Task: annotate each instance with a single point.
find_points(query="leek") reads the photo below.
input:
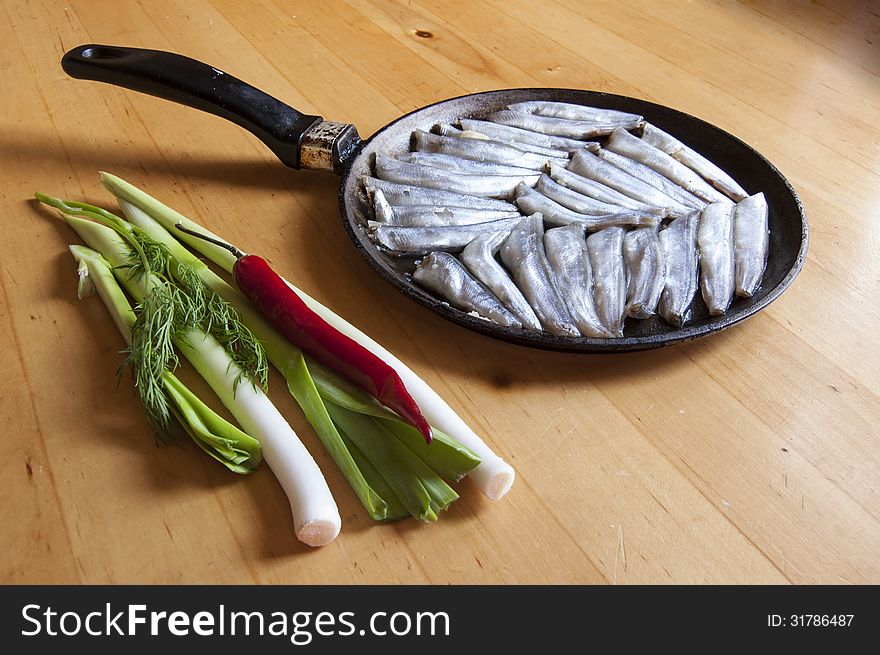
(315, 389)
(392, 471)
(493, 475)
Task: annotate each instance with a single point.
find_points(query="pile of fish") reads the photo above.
(557, 232)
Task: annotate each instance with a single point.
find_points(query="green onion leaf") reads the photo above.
(233, 448)
(300, 384)
(396, 509)
(394, 461)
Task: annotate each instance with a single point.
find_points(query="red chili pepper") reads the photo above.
(288, 314)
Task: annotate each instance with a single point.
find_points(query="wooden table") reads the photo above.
(748, 457)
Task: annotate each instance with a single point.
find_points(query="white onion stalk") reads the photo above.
(493, 476)
(315, 515)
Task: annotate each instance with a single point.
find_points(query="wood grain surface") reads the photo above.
(751, 456)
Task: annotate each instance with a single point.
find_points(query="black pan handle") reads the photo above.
(192, 83)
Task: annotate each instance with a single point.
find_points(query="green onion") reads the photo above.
(444, 454)
(395, 509)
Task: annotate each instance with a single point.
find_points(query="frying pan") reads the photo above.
(303, 141)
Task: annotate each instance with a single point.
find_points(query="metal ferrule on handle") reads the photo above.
(327, 146)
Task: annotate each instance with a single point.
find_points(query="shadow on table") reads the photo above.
(267, 173)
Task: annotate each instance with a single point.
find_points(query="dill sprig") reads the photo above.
(222, 321)
(152, 353)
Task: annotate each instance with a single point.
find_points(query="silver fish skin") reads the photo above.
(404, 241)
(595, 168)
(427, 216)
(582, 204)
(382, 208)
(443, 274)
(715, 245)
(445, 129)
(751, 242)
(624, 143)
(570, 261)
(445, 216)
(594, 189)
(574, 112)
(558, 126)
(551, 153)
(646, 271)
(523, 254)
(466, 166)
(694, 160)
(493, 186)
(516, 135)
(652, 177)
(479, 258)
(480, 150)
(609, 277)
(679, 243)
(404, 194)
(530, 202)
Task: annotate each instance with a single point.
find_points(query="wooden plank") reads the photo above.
(762, 75)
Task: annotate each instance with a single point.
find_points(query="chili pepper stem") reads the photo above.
(238, 254)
